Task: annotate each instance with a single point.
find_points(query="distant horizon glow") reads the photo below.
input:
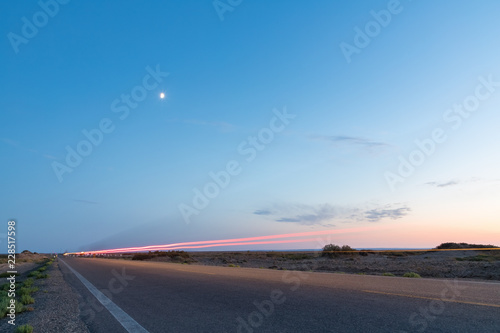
(231, 242)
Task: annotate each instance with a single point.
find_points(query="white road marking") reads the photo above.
(123, 318)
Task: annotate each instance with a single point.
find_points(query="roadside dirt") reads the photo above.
(55, 308)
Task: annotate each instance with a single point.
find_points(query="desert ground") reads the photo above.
(466, 264)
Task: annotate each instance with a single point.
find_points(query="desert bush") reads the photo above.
(411, 275)
(173, 254)
(5, 274)
(27, 299)
(388, 274)
(27, 290)
(332, 250)
(142, 256)
(24, 329)
(346, 248)
(28, 282)
(4, 303)
(34, 274)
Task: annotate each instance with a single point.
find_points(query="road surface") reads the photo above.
(166, 297)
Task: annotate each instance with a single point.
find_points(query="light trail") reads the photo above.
(231, 242)
(242, 243)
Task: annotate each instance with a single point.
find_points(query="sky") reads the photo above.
(375, 118)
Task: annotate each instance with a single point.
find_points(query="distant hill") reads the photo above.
(450, 245)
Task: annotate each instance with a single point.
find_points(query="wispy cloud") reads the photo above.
(326, 214)
(10, 142)
(312, 215)
(445, 184)
(18, 145)
(50, 157)
(375, 215)
(262, 212)
(351, 140)
(478, 181)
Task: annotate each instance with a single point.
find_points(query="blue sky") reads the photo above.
(334, 163)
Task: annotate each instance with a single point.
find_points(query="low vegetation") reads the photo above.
(332, 250)
(24, 294)
(174, 255)
(448, 246)
(411, 275)
(24, 329)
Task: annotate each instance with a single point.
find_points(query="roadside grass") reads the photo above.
(4, 302)
(28, 282)
(411, 275)
(33, 274)
(2, 275)
(24, 292)
(24, 329)
(27, 290)
(27, 299)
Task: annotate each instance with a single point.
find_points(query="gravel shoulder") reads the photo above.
(55, 308)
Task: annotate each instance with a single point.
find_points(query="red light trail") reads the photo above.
(271, 239)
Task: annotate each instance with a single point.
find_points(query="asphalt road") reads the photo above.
(164, 297)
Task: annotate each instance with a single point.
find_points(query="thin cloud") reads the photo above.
(262, 212)
(50, 157)
(318, 216)
(352, 140)
(326, 214)
(10, 142)
(446, 184)
(472, 180)
(375, 215)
